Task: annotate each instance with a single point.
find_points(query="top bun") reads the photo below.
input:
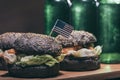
(7, 39)
(77, 38)
(30, 43)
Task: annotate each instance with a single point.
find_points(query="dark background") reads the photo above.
(21, 16)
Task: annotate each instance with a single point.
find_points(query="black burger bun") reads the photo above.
(37, 44)
(80, 64)
(31, 44)
(82, 39)
(41, 71)
(76, 38)
(7, 40)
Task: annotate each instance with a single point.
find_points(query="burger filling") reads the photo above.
(82, 51)
(35, 60)
(25, 60)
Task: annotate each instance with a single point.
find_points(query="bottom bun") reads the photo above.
(33, 71)
(80, 64)
(3, 65)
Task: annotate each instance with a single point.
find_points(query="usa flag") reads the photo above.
(62, 28)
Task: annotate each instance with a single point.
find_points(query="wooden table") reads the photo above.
(106, 71)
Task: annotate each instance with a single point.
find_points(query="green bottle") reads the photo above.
(109, 27)
(53, 10)
(83, 15)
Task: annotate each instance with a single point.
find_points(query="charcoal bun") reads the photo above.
(76, 38)
(65, 42)
(71, 63)
(7, 39)
(83, 39)
(41, 71)
(30, 43)
(38, 44)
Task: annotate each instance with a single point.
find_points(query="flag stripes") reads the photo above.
(62, 28)
(61, 32)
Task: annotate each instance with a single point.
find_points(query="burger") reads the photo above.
(79, 51)
(30, 54)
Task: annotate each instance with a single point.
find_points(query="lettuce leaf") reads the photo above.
(37, 60)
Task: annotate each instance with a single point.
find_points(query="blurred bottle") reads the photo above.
(83, 15)
(53, 10)
(109, 25)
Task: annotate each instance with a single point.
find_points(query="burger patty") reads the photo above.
(30, 43)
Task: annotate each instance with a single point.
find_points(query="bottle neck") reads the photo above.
(69, 3)
(58, 2)
(84, 0)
